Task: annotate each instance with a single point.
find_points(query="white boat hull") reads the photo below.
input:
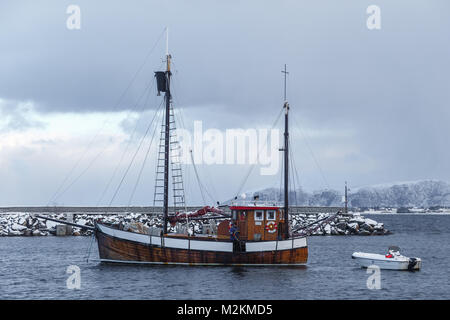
(366, 260)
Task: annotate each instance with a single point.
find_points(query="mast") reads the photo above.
(286, 158)
(167, 136)
(169, 148)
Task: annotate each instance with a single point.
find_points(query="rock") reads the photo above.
(357, 219)
(364, 233)
(354, 226)
(81, 221)
(341, 225)
(367, 227)
(41, 225)
(29, 222)
(327, 229)
(36, 233)
(379, 226)
(14, 233)
(18, 227)
(50, 224)
(61, 230)
(370, 222)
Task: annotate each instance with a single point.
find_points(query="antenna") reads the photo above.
(285, 75)
(167, 41)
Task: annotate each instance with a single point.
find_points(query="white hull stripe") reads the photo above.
(221, 246)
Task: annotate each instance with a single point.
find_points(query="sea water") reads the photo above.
(42, 268)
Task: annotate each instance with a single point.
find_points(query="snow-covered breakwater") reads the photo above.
(26, 224)
(342, 224)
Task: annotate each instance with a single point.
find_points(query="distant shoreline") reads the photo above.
(405, 214)
(140, 209)
(158, 210)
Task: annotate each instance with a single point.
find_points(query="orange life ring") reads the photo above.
(271, 226)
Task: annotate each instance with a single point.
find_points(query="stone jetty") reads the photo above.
(342, 224)
(26, 224)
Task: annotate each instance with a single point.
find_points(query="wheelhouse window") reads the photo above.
(271, 215)
(234, 215)
(259, 215)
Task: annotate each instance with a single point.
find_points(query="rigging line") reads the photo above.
(198, 180)
(143, 163)
(180, 110)
(297, 176)
(253, 165)
(54, 196)
(311, 151)
(88, 252)
(128, 143)
(273, 187)
(93, 160)
(116, 106)
(179, 117)
(201, 185)
(293, 173)
(211, 184)
(291, 182)
(209, 194)
(131, 162)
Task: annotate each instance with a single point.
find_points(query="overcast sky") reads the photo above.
(368, 106)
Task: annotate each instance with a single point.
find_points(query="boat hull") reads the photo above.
(117, 246)
(366, 260)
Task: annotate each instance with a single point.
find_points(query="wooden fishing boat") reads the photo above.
(252, 235)
(259, 243)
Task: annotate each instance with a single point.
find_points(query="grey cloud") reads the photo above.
(16, 117)
(390, 87)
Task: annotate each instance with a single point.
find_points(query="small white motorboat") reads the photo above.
(391, 261)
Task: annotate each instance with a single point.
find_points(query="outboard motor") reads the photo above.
(412, 263)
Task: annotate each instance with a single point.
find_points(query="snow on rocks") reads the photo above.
(25, 224)
(370, 222)
(342, 224)
(18, 227)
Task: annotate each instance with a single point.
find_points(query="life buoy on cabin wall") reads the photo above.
(271, 226)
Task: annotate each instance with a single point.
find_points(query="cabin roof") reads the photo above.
(253, 208)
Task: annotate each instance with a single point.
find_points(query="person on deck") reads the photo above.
(234, 233)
